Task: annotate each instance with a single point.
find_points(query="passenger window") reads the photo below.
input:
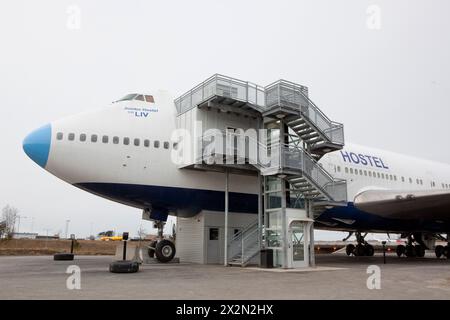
(137, 142)
(338, 167)
(382, 176)
(378, 175)
(105, 139)
(365, 173)
(126, 141)
(146, 143)
(360, 172)
(59, 136)
(116, 140)
(390, 177)
(410, 180)
(370, 173)
(346, 170)
(94, 138)
(139, 97)
(149, 99)
(421, 182)
(175, 145)
(403, 179)
(395, 178)
(156, 144)
(417, 181)
(82, 137)
(166, 145)
(71, 136)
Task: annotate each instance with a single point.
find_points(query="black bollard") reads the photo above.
(384, 252)
(125, 238)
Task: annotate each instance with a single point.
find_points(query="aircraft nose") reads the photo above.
(37, 145)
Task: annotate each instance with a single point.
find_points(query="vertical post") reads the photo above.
(124, 250)
(312, 254)
(284, 223)
(259, 210)
(226, 219)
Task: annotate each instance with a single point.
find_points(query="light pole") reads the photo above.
(18, 222)
(67, 227)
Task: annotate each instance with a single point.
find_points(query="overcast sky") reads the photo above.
(386, 76)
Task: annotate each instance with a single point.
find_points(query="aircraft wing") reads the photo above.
(398, 204)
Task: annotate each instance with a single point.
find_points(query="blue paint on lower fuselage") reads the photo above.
(188, 202)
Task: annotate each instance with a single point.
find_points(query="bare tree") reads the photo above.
(9, 217)
(142, 233)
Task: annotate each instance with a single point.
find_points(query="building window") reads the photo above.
(156, 144)
(116, 140)
(126, 141)
(137, 142)
(82, 137)
(146, 143)
(94, 138)
(166, 145)
(214, 234)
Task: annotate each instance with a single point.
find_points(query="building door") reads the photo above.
(213, 252)
(298, 247)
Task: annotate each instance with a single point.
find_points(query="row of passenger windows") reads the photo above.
(115, 140)
(386, 176)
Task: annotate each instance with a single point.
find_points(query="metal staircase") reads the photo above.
(290, 102)
(244, 245)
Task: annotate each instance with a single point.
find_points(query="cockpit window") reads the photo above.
(130, 96)
(136, 96)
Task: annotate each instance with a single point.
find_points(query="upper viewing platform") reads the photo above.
(280, 100)
(223, 90)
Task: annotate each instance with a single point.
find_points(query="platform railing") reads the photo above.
(291, 95)
(269, 159)
(223, 86)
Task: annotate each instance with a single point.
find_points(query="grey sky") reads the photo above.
(390, 87)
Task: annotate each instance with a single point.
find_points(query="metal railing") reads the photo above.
(268, 159)
(245, 244)
(223, 86)
(291, 95)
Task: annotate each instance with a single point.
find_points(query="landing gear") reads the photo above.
(163, 249)
(415, 247)
(361, 249)
(439, 251)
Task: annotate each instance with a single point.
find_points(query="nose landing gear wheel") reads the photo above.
(165, 250)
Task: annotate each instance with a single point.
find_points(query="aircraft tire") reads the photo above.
(420, 251)
(439, 251)
(124, 266)
(447, 251)
(63, 256)
(359, 250)
(369, 250)
(400, 250)
(349, 249)
(165, 250)
(410, 251)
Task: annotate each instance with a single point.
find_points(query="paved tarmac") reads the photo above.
(338, 277)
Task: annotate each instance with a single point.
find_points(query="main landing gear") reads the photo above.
(440, 250)
(163, 249)
(413, 248)
(361, 249)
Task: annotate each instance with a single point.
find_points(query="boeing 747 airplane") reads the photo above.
(123, 153)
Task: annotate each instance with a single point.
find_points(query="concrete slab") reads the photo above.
(340, 277)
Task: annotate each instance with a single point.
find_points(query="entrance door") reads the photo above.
(298, 248)
(213, 253)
